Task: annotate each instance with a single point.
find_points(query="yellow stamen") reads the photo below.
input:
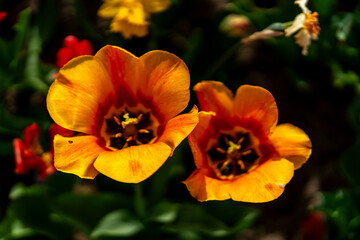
(116, 119)
(241, 140)
(143, 131)
(220, 150)
(247, 152)
(241, 164)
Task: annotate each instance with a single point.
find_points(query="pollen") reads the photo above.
(311, 24)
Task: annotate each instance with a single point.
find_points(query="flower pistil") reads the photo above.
(234, 154)
(129, 128)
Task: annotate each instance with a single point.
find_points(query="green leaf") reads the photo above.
(87, 209)
(20, 190)
(13, 228)
(247, 221)
(194, 218)
(343, 26)
(119, 223)
(343, 79)
(32, 206)
(164, 212)
(32, 72)
(22, 30)
(342, 213)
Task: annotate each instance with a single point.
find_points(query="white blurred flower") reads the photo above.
(307, 26)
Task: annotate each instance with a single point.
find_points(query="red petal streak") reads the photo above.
(31, 135)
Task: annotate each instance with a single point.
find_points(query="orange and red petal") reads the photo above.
(123, 72)
(133, 164)
(291, 143)
(179, 127)
(256, 103)
(31, 136)
(76, 155)
(198, 138)
(214, 96)
(263, 184)
(204, 188)
(164, 83)
(57, 129)
(77, 93)
(19, 148)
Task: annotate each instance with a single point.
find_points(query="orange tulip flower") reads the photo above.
(239, 151)
(125, 109)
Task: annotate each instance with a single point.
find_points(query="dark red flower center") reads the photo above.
(129, 129)
(234, 154)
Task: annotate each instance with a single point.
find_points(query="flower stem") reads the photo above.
(139, 200)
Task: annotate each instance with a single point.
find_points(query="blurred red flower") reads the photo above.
(29, 154)
(72, 48)
(2, 15)
(314, 226)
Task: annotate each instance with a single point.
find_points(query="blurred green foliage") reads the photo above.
(65, 207)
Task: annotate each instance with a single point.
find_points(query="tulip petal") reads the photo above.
(197, 137)
(263, 184)
(74, 98)
(291, 143)
(204, 188)
(179, 127)
(214, 96)
(76, 155)
(256, 103)
(165, 83)
(133, 164)
(123, 71)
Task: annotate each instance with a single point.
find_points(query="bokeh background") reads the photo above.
(318, 93)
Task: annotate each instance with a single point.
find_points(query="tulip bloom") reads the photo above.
(130, 17)
(72, 48)
(29, 154)
(124, 108)
(239, 151)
